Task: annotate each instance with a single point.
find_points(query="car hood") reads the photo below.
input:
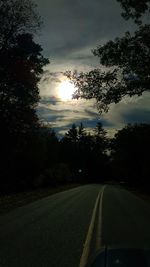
(121, 257)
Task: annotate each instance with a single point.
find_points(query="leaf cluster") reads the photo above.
(124, 64)
(17, 17)
(134, 9)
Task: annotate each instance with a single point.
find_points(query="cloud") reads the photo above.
(70, 26)
(71, 30)
(137, 116)
(48, 84)
(139, 111)
(61, 115)
(130, 110)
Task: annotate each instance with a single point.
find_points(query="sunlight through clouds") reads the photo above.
(66, 90)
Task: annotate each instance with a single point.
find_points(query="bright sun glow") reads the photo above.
(66, 90)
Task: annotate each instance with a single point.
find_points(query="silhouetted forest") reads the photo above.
(44, 160)
(32, 155)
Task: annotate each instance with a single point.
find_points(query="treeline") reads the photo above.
(41, 159)
(129, 156)
(45, 160)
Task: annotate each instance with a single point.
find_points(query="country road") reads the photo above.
(64, 229)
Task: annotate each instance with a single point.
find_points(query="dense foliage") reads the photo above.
(134, 9)
(130, 154)
(125, 63)
(17, 17)
(86, 153)
(21, 64)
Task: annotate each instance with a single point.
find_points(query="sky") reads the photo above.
(71, 30)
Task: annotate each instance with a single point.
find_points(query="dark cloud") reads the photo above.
(137, 116)
(92, 113)
(49, 100)
(107, 123)
(48, 112)
(49, 76)
(72, 25)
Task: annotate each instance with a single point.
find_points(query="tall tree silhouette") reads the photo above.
(72, 134)
(20, 71)
(81, 130)
(100, 136)
(86, 153)
(69, 144)
(21, 64)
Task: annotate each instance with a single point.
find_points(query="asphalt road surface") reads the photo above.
(64, 229)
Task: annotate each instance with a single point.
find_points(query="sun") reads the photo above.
(66, 90)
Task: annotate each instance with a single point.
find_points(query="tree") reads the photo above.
(86, 153)
(100, 141)
(130, 154)
(20, 71)
(99, 131)
(17, 17)
(21, 65)
(134, 9)
(72, 134)
(51, 142)
(127, 64)
(69, 145)
(81, 131)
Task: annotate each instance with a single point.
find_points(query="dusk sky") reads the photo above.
(71, 30)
